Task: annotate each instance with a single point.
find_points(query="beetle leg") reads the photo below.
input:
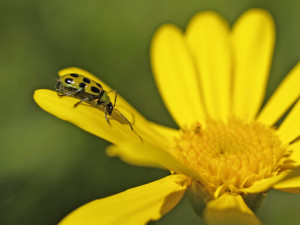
(105, 114)
(87, 99)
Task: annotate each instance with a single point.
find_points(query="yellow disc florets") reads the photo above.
(231, 156)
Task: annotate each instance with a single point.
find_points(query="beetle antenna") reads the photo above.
(129, 124)
(124, 118)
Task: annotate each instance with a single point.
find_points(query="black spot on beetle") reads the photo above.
(82, 85)
(95, 89)
(86, 80)
(69, 80)
(74, 75)
(99, 85)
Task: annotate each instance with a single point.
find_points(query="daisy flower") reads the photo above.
(227, 153)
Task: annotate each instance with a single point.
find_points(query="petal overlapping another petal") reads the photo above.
(291, 185)
(266, 184)
(176, 75)
(135, 206)
(152, 156)
(229, 209)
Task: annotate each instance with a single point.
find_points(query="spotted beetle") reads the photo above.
(87, 90)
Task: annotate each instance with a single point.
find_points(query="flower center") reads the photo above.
(231, 156)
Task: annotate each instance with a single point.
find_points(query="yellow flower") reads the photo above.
(228, 152)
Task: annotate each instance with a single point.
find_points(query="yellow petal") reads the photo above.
(150, 155)
(135, 206)
(268, 183)
(290, 185)
(166, 134)
(208, 38)
(92, 120)
(295, 155)
(84, 116)
(253, 38)
(163, 130)
(285, 95)
(175, 75)
(290, 127)
(229, 209)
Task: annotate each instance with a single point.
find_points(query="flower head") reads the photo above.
(228, 152)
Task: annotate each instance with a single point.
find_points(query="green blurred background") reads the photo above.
(49, 167)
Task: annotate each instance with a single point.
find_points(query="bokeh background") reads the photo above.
(49, 167)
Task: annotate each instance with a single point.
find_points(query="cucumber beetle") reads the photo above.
(89, 91)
